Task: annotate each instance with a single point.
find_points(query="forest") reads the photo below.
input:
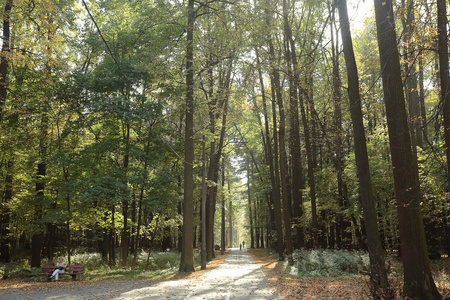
(179, 125)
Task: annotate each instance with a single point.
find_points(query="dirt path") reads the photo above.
(237, 278)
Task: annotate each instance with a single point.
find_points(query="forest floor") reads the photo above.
(290, 286)
(248, 275)
(231, 276)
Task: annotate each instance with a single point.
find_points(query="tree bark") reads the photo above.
(274, 77)
(230, 224)
(112, 238)
(444, 76)
(5, 215)
(125, 229)
(270, 162)
(257, 228)
(222, 233)
(4, 63)
(37, 238)
(445, 85)
(203, 215)
(423, 114)
(187, 253)
(213, 173)
(412, 96)
(310, 162)
(342, 223)
(418, 280)
(294, 128)
(378, 276)
(139, 223)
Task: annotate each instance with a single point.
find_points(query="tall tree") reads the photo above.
(5, 212)
(444, 76)
(378, 276)
(216, 153)
(342, 224)
(250, 215)
(283, 163)
(222, 229)
(310, 160)
(418, 280)
(294, 128)
(274, 197)
(445, 87)
(203, 218)
(187, 253)
(275, 93)
(412, 95)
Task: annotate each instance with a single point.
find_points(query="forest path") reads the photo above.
(237, 278)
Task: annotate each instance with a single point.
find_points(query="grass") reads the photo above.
(157, 265)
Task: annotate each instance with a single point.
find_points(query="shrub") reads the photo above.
(329, 263)
(89, 260)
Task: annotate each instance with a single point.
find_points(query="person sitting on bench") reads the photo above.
(60, 268)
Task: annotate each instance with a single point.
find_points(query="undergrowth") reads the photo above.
(155, 265)
(329, 263)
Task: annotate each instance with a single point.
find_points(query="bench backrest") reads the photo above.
(76, 268)
(48, 268)
(73, 268)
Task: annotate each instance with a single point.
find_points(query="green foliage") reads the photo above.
(90, 261)
(161, 260)
(329, 263)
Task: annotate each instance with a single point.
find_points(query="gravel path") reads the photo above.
(237, 278)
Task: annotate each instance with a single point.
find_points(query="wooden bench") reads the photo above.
(72, 270)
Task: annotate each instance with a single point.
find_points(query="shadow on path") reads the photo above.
(237, 278)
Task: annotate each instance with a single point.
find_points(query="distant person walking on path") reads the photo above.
(243, 244)
(60, 268)
(240, 246)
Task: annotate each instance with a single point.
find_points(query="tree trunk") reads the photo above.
(257, 228)
(418, 280)
(187, 253)
(310, 162)
(250, 215)
(5, 215)
(213, 173)
(423, 114)
(274, 77)
(139, 223)
(133, 222)
(445, 83)
(37, 238)
(112, 238)
(125, 230)
(124, 235)
(4, 63)
(412, 96)
(295, 153)
(222, 232)
(378, 276)
(283, 163)
(274, 200)
(203, 206)
(230, 224)
(444, 76)
(283, 168)
(342, 241)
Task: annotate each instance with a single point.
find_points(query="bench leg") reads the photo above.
(49, 278)
(74, 277)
